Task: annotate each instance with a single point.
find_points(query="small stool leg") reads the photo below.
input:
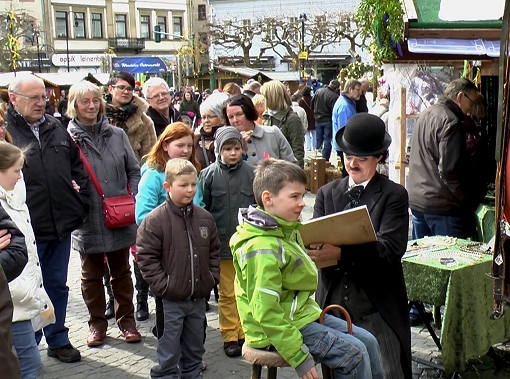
(256, 371)
(272, 372)
(327, 373)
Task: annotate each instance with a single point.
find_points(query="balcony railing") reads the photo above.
(119, 43)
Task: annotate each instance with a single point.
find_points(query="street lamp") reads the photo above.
(35, 34)
(67, 35)
(303, 56)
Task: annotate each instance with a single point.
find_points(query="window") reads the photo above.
(162, 26)
(145, 27)
(247, 24)
(97, 25)
(202, 14)
(271, 29)
(120, 26)
(29, 33)
(177, 30)
(79, 24)
(293, 28)
(60, 18)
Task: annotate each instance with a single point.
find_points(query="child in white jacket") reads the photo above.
(32, 307)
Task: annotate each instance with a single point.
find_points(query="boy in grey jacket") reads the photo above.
(227, 185)
(178, 254)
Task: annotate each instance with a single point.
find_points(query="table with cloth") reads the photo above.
(452, 272)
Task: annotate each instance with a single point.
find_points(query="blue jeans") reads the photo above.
(26, 348)
(54, 259)
(310, 140)
(355, 356)
(324, 131)
(426, 224)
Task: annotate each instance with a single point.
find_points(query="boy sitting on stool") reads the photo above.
(275, 281)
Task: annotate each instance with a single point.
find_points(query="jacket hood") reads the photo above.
(253, 221)
(281, 115)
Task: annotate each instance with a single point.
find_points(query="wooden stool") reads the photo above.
(258, 358)
(272, 360)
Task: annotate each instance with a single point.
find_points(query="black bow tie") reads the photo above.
(354, 195)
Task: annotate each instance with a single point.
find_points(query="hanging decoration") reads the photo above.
(384, 28)
(12, 41)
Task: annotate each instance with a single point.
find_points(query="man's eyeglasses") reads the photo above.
(123, 88)
(158, 95)
(33, 99)
(466, 95)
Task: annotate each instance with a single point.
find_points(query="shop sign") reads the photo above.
(139, 64)
(77, 60)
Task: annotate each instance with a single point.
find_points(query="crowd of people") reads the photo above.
(216, 193)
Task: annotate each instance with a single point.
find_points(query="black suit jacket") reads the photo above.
(376, 267)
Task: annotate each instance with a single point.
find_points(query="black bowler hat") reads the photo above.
(363, 135)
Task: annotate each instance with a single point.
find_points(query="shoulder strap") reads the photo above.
(92, 176)
(206, 157)
(89, 170)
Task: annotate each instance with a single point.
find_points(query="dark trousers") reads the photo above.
(425, 224)
(324, 131)
(54, 260)
(92, 271)
(181, 348)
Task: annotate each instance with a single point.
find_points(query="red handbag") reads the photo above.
(118, 211)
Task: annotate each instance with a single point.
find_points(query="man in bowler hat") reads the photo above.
(368, 279)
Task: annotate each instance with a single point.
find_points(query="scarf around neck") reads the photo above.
(118, 116)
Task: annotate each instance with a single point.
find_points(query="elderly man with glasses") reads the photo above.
(161, 110)
(438, 181)
(57, 197)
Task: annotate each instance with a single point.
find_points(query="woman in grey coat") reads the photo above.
(114, 163)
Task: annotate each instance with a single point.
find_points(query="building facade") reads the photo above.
(268, 15)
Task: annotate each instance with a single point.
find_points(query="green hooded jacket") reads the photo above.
(291, 127)
(275, 280)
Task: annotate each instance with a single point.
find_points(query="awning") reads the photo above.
(69, 78)
(8, 77)
(454, 46)
(241, 71)
(139, 65)
(290, 76)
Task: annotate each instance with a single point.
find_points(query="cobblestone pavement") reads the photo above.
(117, 359)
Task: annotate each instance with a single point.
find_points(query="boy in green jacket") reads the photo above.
(275, 282)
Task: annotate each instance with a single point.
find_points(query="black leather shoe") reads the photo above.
(66, 354)
(142, 311)
(232, 349)
(110, 310)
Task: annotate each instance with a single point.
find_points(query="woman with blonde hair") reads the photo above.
(33, 309)
(279, 113)
(113, 162)
(176, 141)
(259, 102)
(232, 89)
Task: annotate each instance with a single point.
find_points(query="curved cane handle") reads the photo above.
(341, 309)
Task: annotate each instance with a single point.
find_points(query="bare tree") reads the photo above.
(277, 32)
(235, 34)
(16, 38)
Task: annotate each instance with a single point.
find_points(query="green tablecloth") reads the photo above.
(467, 293)
(486, 221)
